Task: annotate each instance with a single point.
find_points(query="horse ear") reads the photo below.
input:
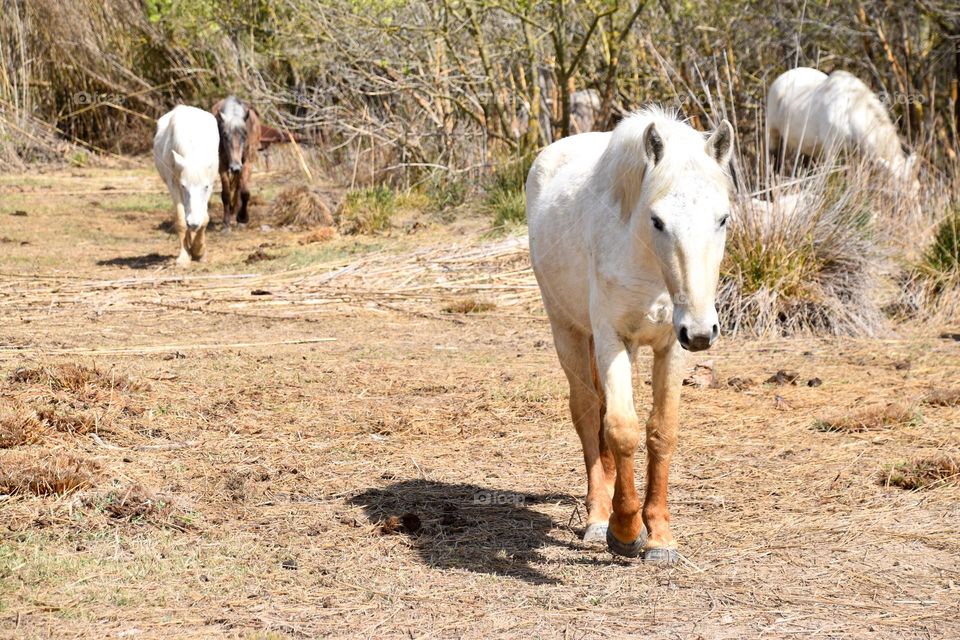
(652, 144)
(720, 144)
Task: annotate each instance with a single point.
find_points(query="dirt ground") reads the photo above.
(309, 445)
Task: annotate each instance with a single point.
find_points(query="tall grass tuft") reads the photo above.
(807, 261)
(368, 210)
(505, 195)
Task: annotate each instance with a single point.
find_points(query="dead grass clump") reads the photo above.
(469, 305)
(77, 378)
(69, 419)
(52, 475)
(323, 234)
(943, 397)
(138, 504)
(301, 207)
(870, 418)
(923, 473)
(19, 426)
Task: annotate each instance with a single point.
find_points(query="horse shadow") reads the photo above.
(136, 262)
(465, 526)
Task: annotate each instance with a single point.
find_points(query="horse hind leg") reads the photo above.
(575, 352)
(606, 454)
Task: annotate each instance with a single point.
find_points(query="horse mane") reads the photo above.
(625, 159)
(882, 130)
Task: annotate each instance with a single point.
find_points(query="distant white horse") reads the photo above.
(809, 111)
(627, 231)
(186, 152)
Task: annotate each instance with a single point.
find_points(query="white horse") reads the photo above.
(627, 231)
(816, 113)
(186, 152)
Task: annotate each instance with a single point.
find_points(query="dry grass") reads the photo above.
(19, 426)
(137, 504)
(807, 262)
(289, 456)
(923, 473)
(469, 305)
(77, 378)
(65, 417)
(871, 418)
(45, 475)
(943, 397)
(300, 207)
(323, 234)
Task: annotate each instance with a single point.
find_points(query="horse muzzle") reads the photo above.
(235, 167)
(698, 339)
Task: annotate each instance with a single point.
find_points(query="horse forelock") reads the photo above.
(233, 113)
(684, 156)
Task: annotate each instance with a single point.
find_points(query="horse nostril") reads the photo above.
(715, 332)
(683, 336)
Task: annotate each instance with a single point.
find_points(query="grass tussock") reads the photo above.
(69, 398)
(56, 474)
(469, 305)
(137, 504)
(931, 288)
(367, 211)
(19, 426)
(66, 417)
(805, 262)
(943, 397)
(870, 418)
(300, 207)
(77, 378)
(506, 197)
(923, 473)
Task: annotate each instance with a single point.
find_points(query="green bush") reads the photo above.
(943, 256)
(505, 195)
(368, 210)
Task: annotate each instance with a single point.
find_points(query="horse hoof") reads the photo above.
(661, 556)
(596, 533)
(627, 549)
(225, 229)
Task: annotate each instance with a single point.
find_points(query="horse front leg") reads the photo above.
(244, 189)
(626, 535)
(227, 201)
(198, 248)
(183, 236)
(661, 442)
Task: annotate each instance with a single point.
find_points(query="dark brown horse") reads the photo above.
(239, 140)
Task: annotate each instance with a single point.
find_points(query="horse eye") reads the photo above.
(723, 220)
(657, 223)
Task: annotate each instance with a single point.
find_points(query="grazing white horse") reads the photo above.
(816, 113)
(186, 152)
(627, 231)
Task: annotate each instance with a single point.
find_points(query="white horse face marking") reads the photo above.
(195, 189)
(689, 233)
(689, 224)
